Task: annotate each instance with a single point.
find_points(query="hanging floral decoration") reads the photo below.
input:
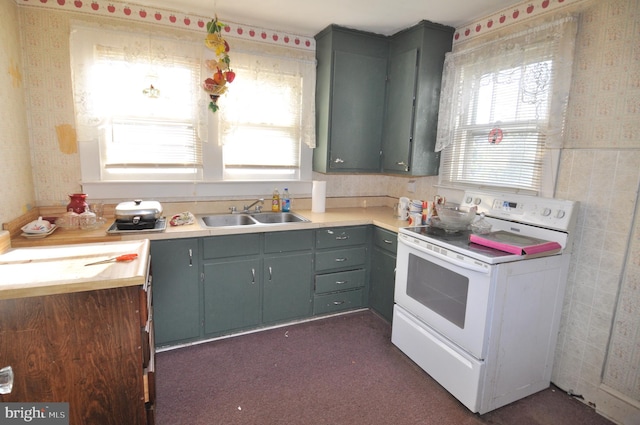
(216, 85)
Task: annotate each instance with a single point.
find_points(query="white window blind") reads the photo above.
(502, 108)
(262, 116)
(141, 97)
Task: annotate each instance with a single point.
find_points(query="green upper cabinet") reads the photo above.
(401, 96)
(416, 58)
(350, 100)
(377, 100)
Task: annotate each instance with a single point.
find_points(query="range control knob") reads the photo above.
(477, 201)
(546, 212)
(560, 214)
(468, 200)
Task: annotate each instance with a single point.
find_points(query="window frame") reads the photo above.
(210, 184)
(458, 129)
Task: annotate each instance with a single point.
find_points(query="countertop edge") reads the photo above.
(378, 216)
(115, 275)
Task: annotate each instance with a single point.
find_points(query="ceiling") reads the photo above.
(308, 17)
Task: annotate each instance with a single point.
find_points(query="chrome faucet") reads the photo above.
(258, 208)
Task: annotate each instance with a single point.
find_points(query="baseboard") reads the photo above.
(260, 329)
(617, 407)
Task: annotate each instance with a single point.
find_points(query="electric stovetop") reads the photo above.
(459, 242)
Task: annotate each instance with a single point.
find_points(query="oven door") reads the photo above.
(450, 295)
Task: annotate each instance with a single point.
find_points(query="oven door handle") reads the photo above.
(463, 264)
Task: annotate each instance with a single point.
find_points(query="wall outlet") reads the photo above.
(411, 186)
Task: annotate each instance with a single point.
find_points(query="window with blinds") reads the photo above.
(139, 97)
(504, 111)
(261, 119)
(151, 127)
(141, 112)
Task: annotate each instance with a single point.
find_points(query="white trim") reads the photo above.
(169, 191)
(617, 407)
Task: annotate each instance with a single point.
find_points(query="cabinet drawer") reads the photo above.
(297, 240)
(230, 246)
(329, 303)
(340, 281)
(341, 258)
(341, 236)
(385, 239)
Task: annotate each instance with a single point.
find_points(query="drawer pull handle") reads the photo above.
(270, 273)
(403, 164)
(342, 238)
(190, 257)
(339, 161)
(387, 241)
(341, 260)
(253, 276)
(338, 302)
(341, 282)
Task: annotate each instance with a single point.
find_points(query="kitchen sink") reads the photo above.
(278, 217)
(244, 219)
(225, 220)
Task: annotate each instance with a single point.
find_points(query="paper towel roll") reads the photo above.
(318, 196)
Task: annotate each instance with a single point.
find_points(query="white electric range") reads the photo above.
(481, 321)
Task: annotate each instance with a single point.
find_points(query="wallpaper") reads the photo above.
(599, 345)
(16, 195)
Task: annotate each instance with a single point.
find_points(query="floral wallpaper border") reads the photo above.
(130, 11)
(508, 16)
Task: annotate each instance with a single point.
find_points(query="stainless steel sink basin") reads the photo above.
(244, 219)
(225, 220)
(278, 217)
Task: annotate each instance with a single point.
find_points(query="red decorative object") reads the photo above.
(78, 203)
(495, 136)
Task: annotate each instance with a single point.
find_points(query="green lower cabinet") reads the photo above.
(287, 290)
(383, 276)
(341, 269)
(231, 296)
(219, 285)
(176, 290)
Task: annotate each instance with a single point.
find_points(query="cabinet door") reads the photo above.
(287, 287)
(231, 295)
(82, 348)
(176, 283)
(383, 265)
(401, 97)
(357, 111)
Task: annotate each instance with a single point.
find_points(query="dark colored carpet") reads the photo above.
(339, 370)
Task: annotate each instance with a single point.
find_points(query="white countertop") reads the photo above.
(56, 264)
(48, 270)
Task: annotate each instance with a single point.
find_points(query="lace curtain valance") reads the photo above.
(544, 88)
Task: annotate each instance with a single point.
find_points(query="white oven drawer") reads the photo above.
(459, 373)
